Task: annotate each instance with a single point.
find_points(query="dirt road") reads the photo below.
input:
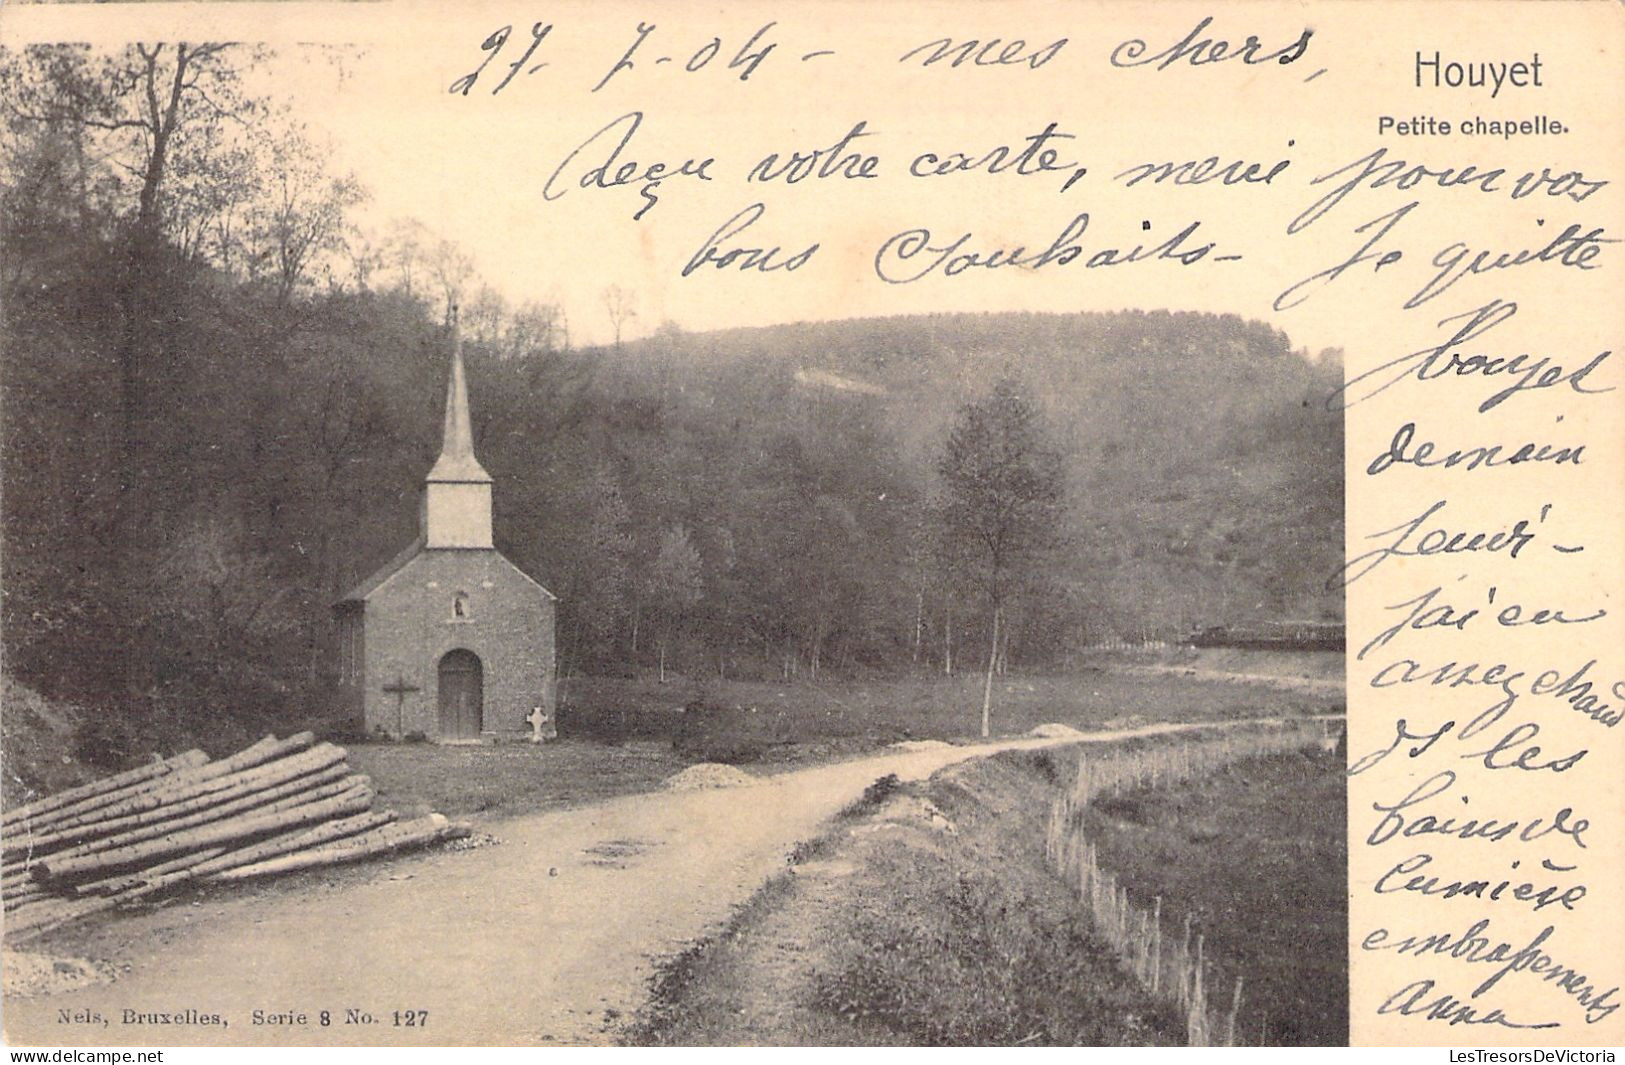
(542, 939)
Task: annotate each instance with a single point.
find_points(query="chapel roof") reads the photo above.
(383, 573)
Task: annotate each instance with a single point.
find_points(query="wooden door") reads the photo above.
(462, 696)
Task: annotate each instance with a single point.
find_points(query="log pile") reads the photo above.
(273, 807)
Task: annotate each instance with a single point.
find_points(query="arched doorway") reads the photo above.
(462, 696)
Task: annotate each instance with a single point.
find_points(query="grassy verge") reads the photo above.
(925, 916)
(1256, 855)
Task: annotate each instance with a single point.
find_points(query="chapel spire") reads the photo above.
(457, 492)
(457, 461)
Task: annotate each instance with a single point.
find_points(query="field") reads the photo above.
(625, 736)
(926, 706)
(1256, 854)
(620, 736)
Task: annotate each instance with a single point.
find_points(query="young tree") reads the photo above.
(1002, 500)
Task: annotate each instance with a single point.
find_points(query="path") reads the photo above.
(1285, 682)
(539, 940)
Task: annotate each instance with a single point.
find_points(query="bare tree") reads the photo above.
(485, 315)
(622, 307)
(536, 328)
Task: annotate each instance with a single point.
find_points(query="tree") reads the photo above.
(674, 585)
(453, 268)
(404, 252)
(484, 316)
(303, 216)
(157, 109)
(534, 328)
(596, 559)
(621, 305)
(826, 589)
(1002, 502)
(152, 123)
(216, 590)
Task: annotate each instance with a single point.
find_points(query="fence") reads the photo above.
(1172, 968)
(1131, 643)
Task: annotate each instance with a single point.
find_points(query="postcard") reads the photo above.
(791, 523)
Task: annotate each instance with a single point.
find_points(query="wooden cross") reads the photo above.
(537, 719)
(400, 689)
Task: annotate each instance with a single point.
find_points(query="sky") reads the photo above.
(476, 168)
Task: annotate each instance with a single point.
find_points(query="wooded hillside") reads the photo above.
(221, 395)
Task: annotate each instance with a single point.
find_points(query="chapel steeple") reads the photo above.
(449, 640)
(457, 492)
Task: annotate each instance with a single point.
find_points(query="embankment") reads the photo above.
(934, 914)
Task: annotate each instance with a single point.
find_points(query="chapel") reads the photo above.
(450, 641)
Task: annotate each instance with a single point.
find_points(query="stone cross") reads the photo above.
(537, 719)
(400, 690)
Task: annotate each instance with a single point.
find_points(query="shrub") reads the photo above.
(875, 794)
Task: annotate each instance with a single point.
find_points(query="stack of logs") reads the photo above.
(276, 806)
